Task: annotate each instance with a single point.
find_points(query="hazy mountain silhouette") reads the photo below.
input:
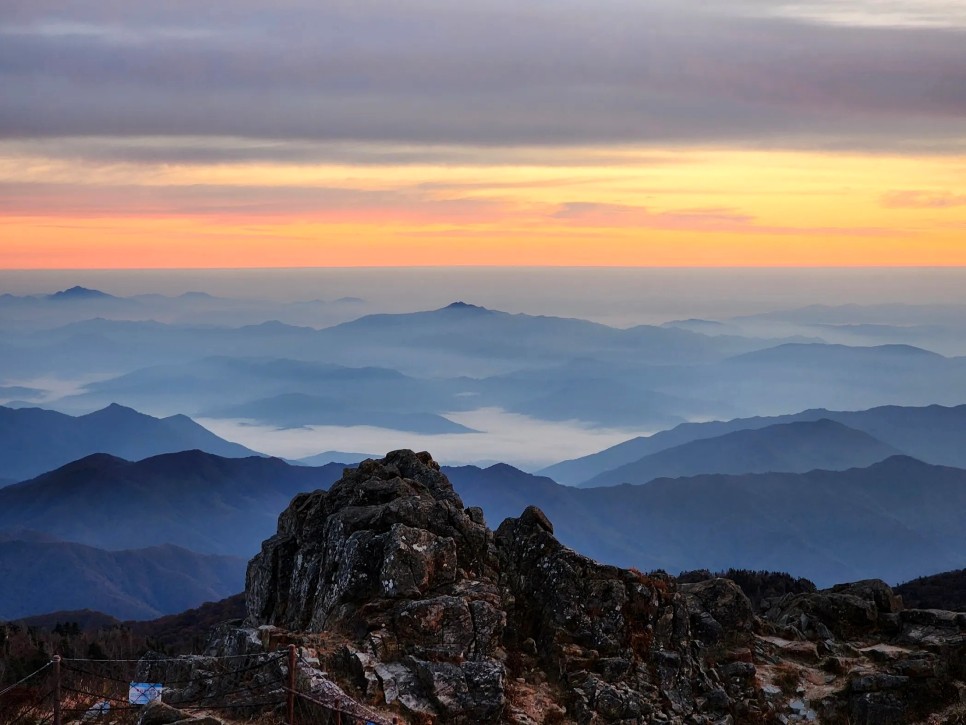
(946, 590)
(33, 440)
(200, 501)
(232, 385)
(131, 584)
(896, 519)
(292, 410)
(475, 331)
(932, 433)
(79, 293)
(796, 376)
(792, 447)
(321, 459)
(194, 308)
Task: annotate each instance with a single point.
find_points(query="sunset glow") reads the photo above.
(683, 147)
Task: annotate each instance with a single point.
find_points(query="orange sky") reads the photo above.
(486, 132)
(633, 207)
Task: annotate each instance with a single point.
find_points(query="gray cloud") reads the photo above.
(256, 201)
(494, 73)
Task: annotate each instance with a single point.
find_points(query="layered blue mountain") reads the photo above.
(277, 391)
(473, 339)
(203, 502)
(463, 357)
(293, 410)
(346, 457)
(129, 584)
(792, 447)
(931, 433)
(82, 303)
(78, 293)
(894, 520)
(480, 332)
(33, 440)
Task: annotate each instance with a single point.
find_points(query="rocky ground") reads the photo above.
(405, 604)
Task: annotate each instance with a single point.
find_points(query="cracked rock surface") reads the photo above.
(439, 619)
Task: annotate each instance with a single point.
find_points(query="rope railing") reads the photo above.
(85, 689)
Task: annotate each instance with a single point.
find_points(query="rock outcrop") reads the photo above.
(413, 605)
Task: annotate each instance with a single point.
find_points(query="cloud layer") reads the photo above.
(493, 73)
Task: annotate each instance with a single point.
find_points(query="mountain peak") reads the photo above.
(461, 306)
(115, 411)
(79, 293)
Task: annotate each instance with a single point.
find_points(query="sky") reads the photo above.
(298, 133)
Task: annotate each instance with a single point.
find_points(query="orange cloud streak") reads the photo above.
(712, 208)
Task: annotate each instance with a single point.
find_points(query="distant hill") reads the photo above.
(939, 591)
(89, 633)
(280, 390)
(896, 519)
(33, 440)
(806, 355)
(893, 520)
(183, 631)
(468, 329)
(21, 534)
(932, 433)
(321, 459)
(201, 501)
(85, 619)
(294, 410)
(79, 293)
(793, 447)
(130, 584)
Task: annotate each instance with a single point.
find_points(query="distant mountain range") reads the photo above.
(33, 441)
(131, 584)
(200, 501)
(80, 303)
(280, 391)
(457, 358)
(293, 410)
(792, 447)
(321, 459)
(895, 520)
(946, 590)
(932, 433)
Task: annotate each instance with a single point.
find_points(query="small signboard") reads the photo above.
(142, 693)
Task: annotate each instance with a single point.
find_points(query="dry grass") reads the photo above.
(788, 677)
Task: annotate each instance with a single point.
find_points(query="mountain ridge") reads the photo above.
(796, 447)
(35, 440)
(932, 433)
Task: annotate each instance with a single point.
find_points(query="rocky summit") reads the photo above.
(418, 609)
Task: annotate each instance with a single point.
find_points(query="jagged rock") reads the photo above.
(388, 530)
(879, 681)
(444, 618)
(875, 591)
(718, 606)
(932, 628)
(390, 548)
(843, 611)
(470, 690)
(157, 713)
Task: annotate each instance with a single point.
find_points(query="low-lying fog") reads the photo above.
(519, 440)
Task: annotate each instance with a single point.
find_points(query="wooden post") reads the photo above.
(291, 684)
(57, 690)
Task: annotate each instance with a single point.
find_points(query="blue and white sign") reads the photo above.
(142, 693)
